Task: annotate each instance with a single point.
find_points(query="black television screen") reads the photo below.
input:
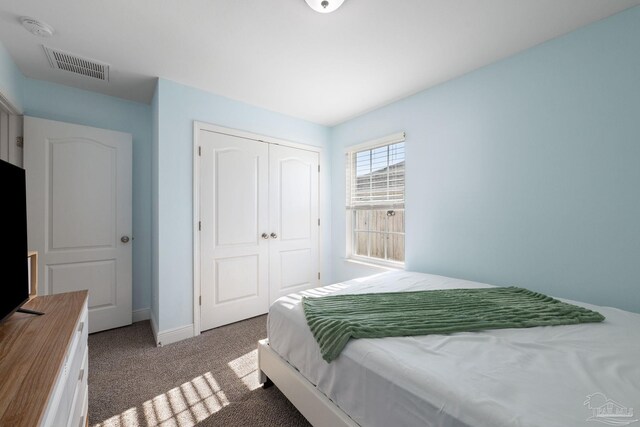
(14, 274)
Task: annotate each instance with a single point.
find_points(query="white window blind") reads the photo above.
(375, 176)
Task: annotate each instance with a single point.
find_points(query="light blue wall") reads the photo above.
(66, 104)
(10, 79)
(526, 172)
(179, 106)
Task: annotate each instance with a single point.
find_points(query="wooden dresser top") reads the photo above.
(32, 352)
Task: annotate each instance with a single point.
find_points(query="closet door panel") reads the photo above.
(234, 213)
(293, 217)
(237, 187)
(296, 209)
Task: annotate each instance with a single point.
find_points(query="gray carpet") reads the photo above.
(210, 380)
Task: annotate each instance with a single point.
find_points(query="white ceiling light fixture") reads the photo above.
(37, 28)
(324, 6)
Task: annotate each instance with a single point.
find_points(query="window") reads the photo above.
(375, 200)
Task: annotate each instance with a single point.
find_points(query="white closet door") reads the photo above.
(234, 214)
(79, 214)
(293, 201)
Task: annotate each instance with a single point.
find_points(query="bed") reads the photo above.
(543, 376)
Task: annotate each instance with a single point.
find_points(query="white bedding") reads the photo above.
(511, 377)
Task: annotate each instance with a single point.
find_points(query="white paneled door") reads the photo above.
(258, 225)
(293, 215)
(79, 214)
(234, 257)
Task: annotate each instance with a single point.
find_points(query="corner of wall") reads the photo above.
(154, 326)
(141, 314)
(11, 82)
(170, 336)
(155, 297)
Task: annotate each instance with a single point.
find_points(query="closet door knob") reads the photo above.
(265, 236)
(274, 236)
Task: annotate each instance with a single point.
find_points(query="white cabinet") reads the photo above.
(259, 225)
(71, 389)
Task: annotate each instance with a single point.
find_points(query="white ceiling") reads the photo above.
(283, 56)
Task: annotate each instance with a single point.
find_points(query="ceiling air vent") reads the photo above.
(76, 64)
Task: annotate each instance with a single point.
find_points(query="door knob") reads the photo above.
(265, 236)
(124, 239)
(274, 236)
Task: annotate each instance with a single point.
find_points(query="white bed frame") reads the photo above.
(317, 408)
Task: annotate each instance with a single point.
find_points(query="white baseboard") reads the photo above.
(141, 314)
(174, 335)
(169, 336)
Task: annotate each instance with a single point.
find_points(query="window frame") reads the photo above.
(350, 211)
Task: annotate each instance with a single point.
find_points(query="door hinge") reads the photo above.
(318, 275)
(318, 168)
(200, 300)
(199, 225)
(19, 141)
(318, 221)
(199, 150)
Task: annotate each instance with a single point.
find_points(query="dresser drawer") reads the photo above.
(78, 412)
(76, 354)
(84, 414)
(71, 376)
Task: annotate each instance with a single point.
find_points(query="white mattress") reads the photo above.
(511, 377)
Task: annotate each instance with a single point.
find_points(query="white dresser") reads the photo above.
(44, 363)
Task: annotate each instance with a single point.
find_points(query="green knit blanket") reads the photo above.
(335, 319)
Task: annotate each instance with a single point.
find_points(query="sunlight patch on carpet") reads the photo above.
(182, 406)
(246, 369)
